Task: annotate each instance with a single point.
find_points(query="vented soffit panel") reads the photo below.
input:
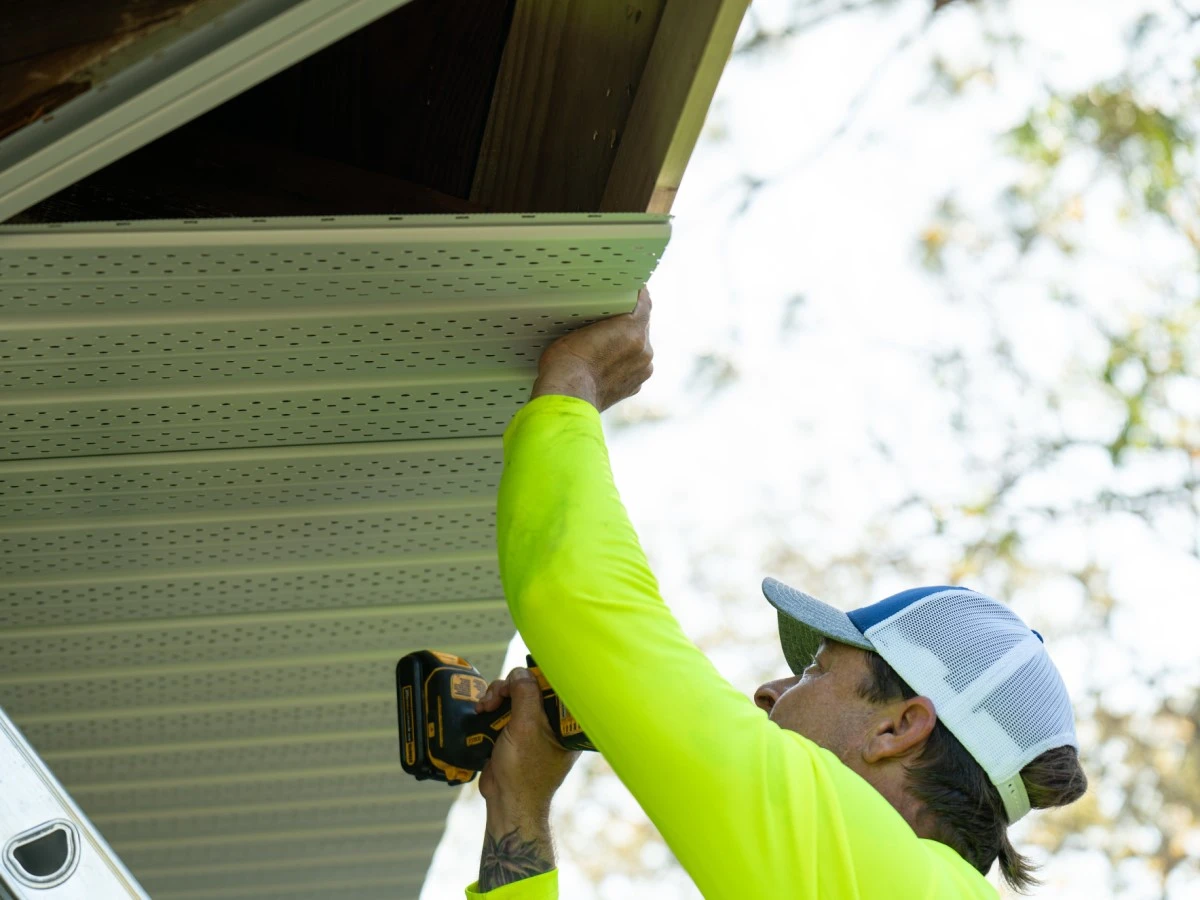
(212, 53)
(247, 465)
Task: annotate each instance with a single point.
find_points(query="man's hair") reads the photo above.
(964, 807)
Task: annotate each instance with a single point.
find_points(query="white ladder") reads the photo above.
(48, 848)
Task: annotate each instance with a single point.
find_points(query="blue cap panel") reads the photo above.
(870, 616)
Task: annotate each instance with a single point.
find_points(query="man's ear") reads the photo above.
(901, 729)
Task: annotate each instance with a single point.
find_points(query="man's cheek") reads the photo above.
(798, 716)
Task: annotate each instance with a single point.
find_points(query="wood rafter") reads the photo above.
(567, 81)
(599, 104)
(693, 42)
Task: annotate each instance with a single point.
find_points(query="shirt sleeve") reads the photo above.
(538, 887)
(749, 809)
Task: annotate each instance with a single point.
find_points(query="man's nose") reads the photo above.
(766, 696)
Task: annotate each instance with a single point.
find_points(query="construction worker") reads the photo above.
(890, 764)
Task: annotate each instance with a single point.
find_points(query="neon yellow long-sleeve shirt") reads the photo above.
(750, 810)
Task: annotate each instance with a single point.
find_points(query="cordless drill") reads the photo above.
(441, 735)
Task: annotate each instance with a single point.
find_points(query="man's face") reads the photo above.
(823, 703)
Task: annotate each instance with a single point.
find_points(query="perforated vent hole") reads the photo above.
(278, 352)
(206, 423)
(286, 636)
(199, 487)
(31, 605)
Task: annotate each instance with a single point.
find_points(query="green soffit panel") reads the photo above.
(245, 465)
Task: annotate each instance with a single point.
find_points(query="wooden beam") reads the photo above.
(693, 43)
(566, 84)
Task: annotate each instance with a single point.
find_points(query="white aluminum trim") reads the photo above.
(349, 230)
(550, 224)
(191, 76)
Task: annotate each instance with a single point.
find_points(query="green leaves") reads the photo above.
(1143, 141)
(1140, 141)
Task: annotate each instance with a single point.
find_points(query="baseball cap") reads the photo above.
(988, 674)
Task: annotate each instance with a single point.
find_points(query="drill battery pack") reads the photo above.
(441, 736)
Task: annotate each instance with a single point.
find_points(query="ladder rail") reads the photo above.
(49, 850)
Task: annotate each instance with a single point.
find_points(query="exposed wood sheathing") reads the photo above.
(50, 51)
(694, 39)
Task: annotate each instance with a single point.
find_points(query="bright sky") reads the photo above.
(779, 455)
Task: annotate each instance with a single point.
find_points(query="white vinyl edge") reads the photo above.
(179, 82)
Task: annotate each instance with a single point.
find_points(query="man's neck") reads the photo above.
(892, 786)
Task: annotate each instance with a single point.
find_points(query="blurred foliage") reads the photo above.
(1144, 144)
(1117, 158)
(1128, 145)
(806, 15)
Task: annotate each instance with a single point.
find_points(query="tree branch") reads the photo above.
(761, 38)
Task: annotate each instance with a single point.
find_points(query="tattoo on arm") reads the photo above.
(511, 858)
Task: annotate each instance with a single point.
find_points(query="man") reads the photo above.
(889, 765)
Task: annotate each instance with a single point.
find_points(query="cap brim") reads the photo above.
(805, 621)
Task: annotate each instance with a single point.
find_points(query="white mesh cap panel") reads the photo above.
(1033, 708)
(990, 680)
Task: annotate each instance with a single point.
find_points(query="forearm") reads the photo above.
(515, 846)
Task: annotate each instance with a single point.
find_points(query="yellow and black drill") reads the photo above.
(441, 735)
